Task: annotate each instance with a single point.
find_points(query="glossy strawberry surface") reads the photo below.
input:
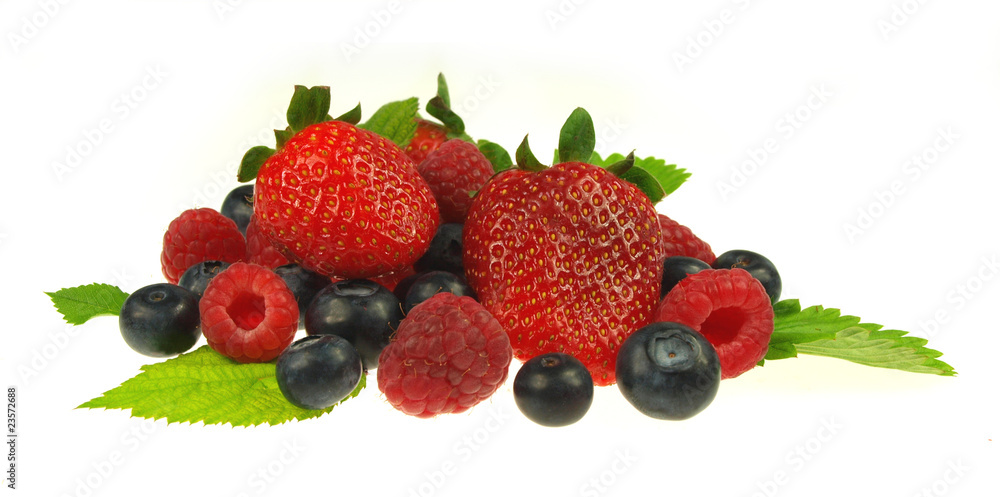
(345, 202)
(567, 259)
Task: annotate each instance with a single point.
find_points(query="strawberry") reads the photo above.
(345, 202)
(566, 258)
(426, 139)
(337, 199)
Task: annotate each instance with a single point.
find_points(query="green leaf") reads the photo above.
(621, 167)
(882, 349)
(644, 182)
(203, 385)
(669, 176)
(577, 137)
(352, 116)
(525, 159)
(308, 106)
(253, 160)
(80, 303)
(395, 121)
(440, 108)
(496, 154)
(826, 332)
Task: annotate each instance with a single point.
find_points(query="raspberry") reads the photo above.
(199, 235)
(677, 239)
(454, 170)
(448, 355)
(248, 314)
(259, 249)
(730, 308)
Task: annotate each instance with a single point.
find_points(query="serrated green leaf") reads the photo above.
(203, 385)
(826, 332)
(81, 303)
(669, 176)
(308, 106)
(496, 154)
(882, 350)
(395, 121)
(254, 159)
(577, 138)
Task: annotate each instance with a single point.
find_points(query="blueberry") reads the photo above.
(304, 285)
(553, 389)
(434, 282)
(676, 268)
(757, 265)
(160, 320)
(668, 371)
(317, 372)
(404, 286)
(444, 252)
(361, 311)
(196, 277)
(238, 206)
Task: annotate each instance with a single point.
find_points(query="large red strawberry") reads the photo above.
(338, 199)
(345, 202)
(567, 259)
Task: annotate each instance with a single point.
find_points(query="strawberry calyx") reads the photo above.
(439, 107)
(308, 106)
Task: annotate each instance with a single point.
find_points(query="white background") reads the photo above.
(209, 79)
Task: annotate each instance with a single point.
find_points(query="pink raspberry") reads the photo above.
(730, 308)
(448, 355)
(259, 248)
(199, 235)
(248, 313)
(453, 171)
(677, 239)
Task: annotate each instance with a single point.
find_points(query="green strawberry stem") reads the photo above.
(577, 138)
(440, 108)
(526, 161)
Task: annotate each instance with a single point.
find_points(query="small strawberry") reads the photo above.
(426, 139)
(566, 258)
(453, 171)
(338, 199)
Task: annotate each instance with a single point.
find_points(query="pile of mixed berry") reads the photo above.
(433, 265)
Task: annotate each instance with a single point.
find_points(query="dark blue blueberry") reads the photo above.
(404, 286)
(317, 372)
(757, 265)
(361, 311)
(668, 371)
(196, 277)
(160, 320)
(444, 252)
(304, 285)
(553, 389)
(434, 282)
(238, 206)
(677, 268)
